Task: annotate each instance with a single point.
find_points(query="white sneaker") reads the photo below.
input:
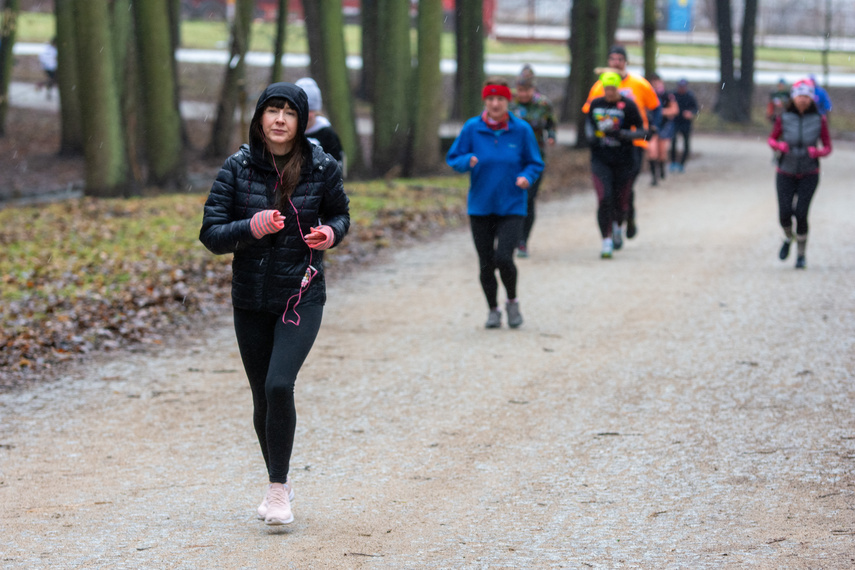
(278, 506)
(262, 508)
(608, 248)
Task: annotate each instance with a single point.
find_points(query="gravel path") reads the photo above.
(688, 404)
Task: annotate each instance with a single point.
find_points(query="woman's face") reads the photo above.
(611, 94)
(802, 102)
(280, 128)
(496, 106)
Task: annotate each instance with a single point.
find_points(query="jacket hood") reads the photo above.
(296, 98)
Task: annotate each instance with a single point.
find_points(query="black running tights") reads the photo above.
(495, 238)
(272, 353)
(798, 190)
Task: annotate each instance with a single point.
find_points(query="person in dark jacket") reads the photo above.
(276, 204)
(500, 152)
(688, 106)
(318, 128)
(796, 137)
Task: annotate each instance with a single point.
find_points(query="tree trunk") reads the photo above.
(339, 102)
(612, 18)
(126, 70)
(234, 83)
(746, 66)
(425, 153)
(588, 50)
(161, 120)
(314, 35)
(71, 127)
(276, 70)
(104, 143)
(370, 42)
(727, 105)
(649, 32)
(469, 79)
(391, 90)
(7, 42)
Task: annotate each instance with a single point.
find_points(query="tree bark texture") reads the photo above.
(337, 96)
(161, 122)
(649, 33)
(71, 127)
(469, 79)
(276, 70)
(314, 36)
(424, 151)
(234, 84)
(7, 42)
(370, 41)
(391, 89)
(104, 143)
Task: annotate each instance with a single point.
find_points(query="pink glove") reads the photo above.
(266, 222)
(781, 146)
(813, 152)
(321, 237)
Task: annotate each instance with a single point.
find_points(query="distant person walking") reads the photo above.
(778, 100)
(500, 152)
(637, 89)
(796, 136)
(319, 129)
(688, 106)
(535, 109)
(48, 62)
(657, 144)
(612, 123)
(276, 205)
(822, 98)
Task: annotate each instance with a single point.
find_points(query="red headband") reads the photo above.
(499, 90)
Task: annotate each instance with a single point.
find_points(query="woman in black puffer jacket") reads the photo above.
(276, 205)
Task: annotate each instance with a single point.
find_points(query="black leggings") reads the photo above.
(495, 239)
(684, 131)
(272, 353)
(613, 184)
(529, 219)
(799, 190)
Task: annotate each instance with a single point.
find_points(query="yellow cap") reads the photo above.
(610, 79)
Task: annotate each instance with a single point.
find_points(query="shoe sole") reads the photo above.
(279, 522)
(291, 496)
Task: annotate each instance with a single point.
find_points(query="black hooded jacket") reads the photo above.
(266, 272)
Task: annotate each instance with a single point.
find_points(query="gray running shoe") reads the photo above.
(494, 319)
(514, 317)
(801, 262)
(617, 237)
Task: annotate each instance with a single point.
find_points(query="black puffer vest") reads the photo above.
(800, 132)
(266, 272)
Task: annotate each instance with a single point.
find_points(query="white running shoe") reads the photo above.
(262, 508)
(278, 506)
(608, 248)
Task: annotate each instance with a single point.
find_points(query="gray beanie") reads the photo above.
(313, 92)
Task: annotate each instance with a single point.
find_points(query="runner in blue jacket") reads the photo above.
(501, 154)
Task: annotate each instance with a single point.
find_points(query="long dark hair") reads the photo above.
(289, 173)
(791, 107)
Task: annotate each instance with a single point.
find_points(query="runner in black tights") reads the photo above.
(613, 122)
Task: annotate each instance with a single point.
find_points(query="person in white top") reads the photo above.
(48, 61)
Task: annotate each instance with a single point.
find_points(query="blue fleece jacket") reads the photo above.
(503, 155)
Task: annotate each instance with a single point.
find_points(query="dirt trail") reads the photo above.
(688, 404)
